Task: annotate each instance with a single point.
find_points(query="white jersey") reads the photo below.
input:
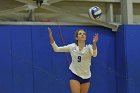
(81, 60)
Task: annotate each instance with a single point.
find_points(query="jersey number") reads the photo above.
(79, 58)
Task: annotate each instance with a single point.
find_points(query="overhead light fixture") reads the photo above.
(39, 2)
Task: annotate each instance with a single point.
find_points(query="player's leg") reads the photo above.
(85, 87)
(75, 86)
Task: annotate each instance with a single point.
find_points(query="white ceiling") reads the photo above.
(61, 10)
(55, 10)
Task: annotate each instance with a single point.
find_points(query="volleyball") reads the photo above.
(95, 12)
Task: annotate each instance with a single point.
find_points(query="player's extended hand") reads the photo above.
(50, 31)
(50, 35)
(95, 38)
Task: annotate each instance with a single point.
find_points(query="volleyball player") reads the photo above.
(81, 60)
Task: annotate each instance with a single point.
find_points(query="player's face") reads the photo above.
(81, 35)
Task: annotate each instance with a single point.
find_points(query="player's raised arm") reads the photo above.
(95, 39)
(50, 35)
(54, 45)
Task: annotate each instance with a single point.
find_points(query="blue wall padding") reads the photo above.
(28, 63)
(22, 59)
(6, 72)
(103, 65)
(128, 59)
(133, 57)
(121, 64)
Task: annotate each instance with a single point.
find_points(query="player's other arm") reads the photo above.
(95, 39)
(54, 45)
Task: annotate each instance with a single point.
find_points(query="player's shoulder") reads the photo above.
(89, 45)
(72, 44)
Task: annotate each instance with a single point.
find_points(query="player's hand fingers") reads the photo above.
(49, 30)
(95, 37)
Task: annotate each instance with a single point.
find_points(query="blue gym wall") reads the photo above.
(128, 59)
(29, 65)
(133, 57)
(121, 67)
